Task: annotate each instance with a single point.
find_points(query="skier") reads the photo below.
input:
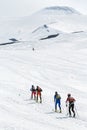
(33, 92)
(71, 101)
(38, 92)
(33, 49)
(57, 100)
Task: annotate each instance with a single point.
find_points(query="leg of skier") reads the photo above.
(69, 110)
(59, 104)
(40, 99)
(72, 107)
(55, 106)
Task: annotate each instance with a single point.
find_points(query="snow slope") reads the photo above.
(57, 64)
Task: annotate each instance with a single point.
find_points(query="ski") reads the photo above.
(56, 111)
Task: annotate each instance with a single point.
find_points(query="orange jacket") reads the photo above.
(70, 99)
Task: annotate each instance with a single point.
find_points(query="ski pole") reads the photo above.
(76, 111)
(67, 109)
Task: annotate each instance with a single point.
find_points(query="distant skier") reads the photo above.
(33, 92)
(57, 100)
(38, 93)
(70, 100)
(33, 49)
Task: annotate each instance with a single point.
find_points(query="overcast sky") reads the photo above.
(18, 8)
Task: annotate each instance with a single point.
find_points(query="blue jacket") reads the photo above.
(57, 98)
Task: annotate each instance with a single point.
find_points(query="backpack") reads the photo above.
(57, 96)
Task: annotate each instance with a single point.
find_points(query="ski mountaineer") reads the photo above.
(33, 49)
(33, 92)
(57, 100)
(38, 93)
(70, 100)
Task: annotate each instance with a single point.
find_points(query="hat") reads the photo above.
(68, 94)
(56, 92)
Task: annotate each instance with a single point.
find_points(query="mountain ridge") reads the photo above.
(61, 10)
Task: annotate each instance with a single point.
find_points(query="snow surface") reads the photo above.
(57, 64)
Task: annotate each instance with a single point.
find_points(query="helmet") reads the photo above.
(68, 94)
(56, 92)
(32, 86)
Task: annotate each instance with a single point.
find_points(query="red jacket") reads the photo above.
(70, 100)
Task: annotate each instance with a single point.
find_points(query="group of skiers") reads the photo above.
(69, 103)
(36, 95)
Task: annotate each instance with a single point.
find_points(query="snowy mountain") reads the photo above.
(59, 10)
(21, 28)
(58, 63)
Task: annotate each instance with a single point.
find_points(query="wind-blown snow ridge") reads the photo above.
(45, 32)
(60, 10)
